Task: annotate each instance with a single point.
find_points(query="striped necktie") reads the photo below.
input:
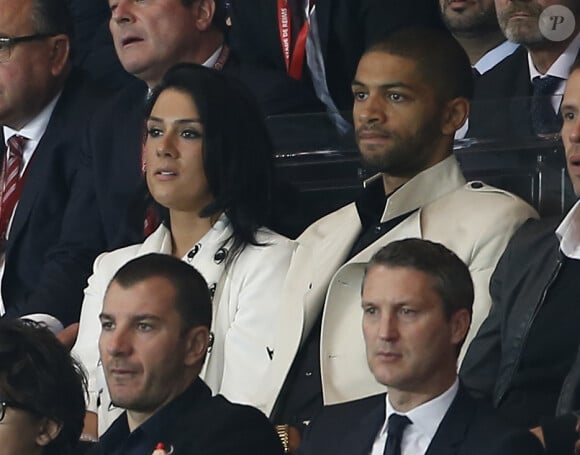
(10, 179)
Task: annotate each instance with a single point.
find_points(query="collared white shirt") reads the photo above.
(33, 131)
(568, 232)
(425, 419)
(560, 68)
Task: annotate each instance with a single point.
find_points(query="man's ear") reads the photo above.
(460, 322)
(48, 431)
(454, 115)
(59, 53)
(196, 344)
(204, 11)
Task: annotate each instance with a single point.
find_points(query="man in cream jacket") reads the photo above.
(409, 99)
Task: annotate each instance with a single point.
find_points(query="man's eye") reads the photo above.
(396, 97)
(408, 311)
(360, 96)
(569, 116)
(370, 310)
(106, 325)
(144, 327)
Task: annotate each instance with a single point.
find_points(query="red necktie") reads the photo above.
(10, 181)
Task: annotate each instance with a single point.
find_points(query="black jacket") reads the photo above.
(519, 285)
(469, 427)
(518, 288)
(195, 423)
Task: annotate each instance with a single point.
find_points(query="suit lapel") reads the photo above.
(343, 364)
(360, 440)
(37, 170)
(453, 428)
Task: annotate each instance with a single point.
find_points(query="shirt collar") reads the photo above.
(426, 417)
(213, 58)
(494, 56)
(568, 233)
(426, 187)
(561, 67)
(34, 129)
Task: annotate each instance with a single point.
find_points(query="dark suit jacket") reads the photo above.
(36, 275)
(346, 28)
(195, 423)
(501, 101)
(469, 427)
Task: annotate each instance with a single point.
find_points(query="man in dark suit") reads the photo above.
(44, 104)
(417, 299)
(514, 99)
(345, 29)
(155, 335)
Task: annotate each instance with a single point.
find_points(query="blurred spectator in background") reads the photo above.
(474, 24)
(523, 85)
(301, 55)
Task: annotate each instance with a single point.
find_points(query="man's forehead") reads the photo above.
(380, 68)
(151, 290)
(15, 17)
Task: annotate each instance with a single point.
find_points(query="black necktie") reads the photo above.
(395, 427)
(476, 74)
(544, 119)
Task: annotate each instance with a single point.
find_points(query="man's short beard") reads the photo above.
(526, 37)
(407, 157)
(480, 24)
(527, 33)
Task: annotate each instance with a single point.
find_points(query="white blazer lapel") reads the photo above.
(343, 364)
(319, 251)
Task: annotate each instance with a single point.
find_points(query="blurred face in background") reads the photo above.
(469, 17)
(520, 19)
